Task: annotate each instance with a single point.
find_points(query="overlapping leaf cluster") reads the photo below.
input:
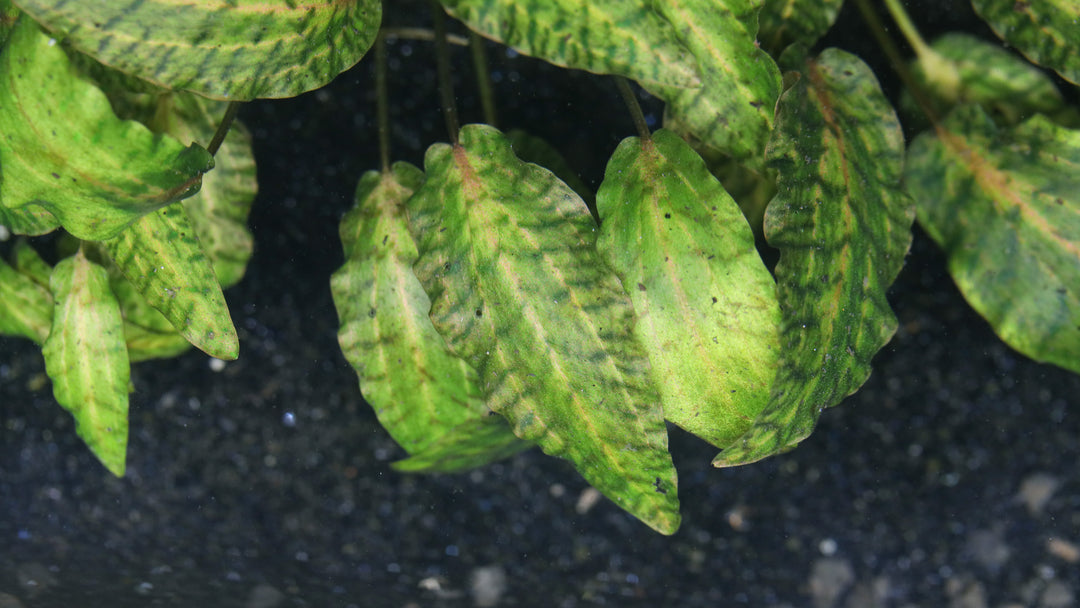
(584, 338)
(109, 146)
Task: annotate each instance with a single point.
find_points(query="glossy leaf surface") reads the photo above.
(732, 111)
(706, 304)
(160, 255)
(1003, 203)
(64, 149)
(425, 397)
(1045, 31)
(842, 226)
(222, 49)
(86, 358)
(625, 37)
(507, 254)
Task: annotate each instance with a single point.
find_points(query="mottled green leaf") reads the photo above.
(784, 22)
(8, 16)
(732, 110)
(842, 225)
(161, 256)
(424, 396)
(25, 305)
(471, 444)
(1045, 31)
(222, 49)
(28, 262)
(86, 358)
(706, 304)
(1002, 203)
(624, 37)
(30, 220)
(220, 209)
(63, 148)
(507, 254)
(960, 69)
(533, 149)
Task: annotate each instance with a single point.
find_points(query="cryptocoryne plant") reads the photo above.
(485, 305)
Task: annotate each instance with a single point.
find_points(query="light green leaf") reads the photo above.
(65, 150)
(28, 262)
(842, 225)
(784, 22)
(533, 149)
(1002, 203)
(1045, 31)
(219, 211)
(471, 444)
(26, 307)
(624, 37)
(517, 289)
(148, 334)
(960, 69)
(423, 395)
(223, 49)
(86, 358)
(706, 304)
(161, 256)
(29, 220)
(732, 110)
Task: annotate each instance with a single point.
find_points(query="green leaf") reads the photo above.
(1002, 203)
(421, 393)
(86, 358)
(507, 254)
(161, 256)
(533, 149)
(148, 334)
(30, 220)
(842, 225)
(26, 307)
(706, 304)
(785, 22)
(223, 49)
(624, 37)
(471, 444)
(732, 110)
(961, 69)
(63, 148)
(219, 211)
(1045, 31)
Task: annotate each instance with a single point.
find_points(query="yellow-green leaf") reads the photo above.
(732, 111)
(1004, 204)
(160, 255)
(427, 399)
(222, 49)
(706, 304)
(61, 146)
(624, 37)
(842, 225)
(1045, 31)
(86, 358)
(507, 255)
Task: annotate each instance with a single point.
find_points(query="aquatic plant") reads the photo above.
(489, 302)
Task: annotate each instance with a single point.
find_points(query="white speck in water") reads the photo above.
(288, 419)
(827, 547)
(216, 364)
(52, 41)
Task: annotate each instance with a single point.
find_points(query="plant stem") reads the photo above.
(634, 107)
(442, 62)
(419, 33)
(382, 103)
(483, 78)
(223, 127)
(899, 64)
(907, 28)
